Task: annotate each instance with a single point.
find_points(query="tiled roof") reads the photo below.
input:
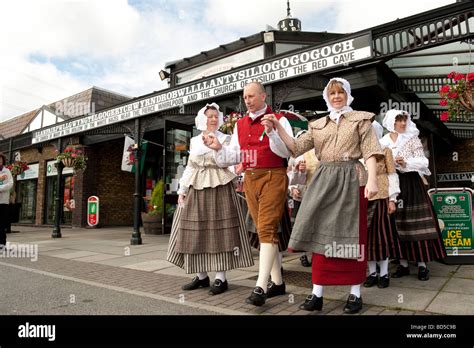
(72, 106)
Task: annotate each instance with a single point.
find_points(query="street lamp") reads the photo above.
(164, 75)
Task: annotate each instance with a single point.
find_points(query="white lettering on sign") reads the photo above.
(308, 61)
(466, 176)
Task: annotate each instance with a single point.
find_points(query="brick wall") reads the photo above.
(461, 159)
(105, 179)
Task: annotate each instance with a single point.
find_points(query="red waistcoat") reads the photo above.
(255, 151)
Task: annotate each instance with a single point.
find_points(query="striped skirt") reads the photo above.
(382, 236)
(417, 223)
(211, 261)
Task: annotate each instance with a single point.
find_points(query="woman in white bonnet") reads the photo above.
(333, 211)
(416, 219)
(208, 232)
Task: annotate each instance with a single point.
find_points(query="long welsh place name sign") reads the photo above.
(304, 62)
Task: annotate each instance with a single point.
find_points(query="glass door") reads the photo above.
(177, 141)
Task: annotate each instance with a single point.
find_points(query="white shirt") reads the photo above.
(230, 155)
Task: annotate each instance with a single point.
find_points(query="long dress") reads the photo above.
(332, 220)
(209, 232)
(416, 220)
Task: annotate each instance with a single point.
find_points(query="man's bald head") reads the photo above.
(254, 96)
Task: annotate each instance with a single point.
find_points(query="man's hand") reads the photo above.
(269, 122)
(211, 141)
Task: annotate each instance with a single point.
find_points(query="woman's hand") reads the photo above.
(391, 207)
(181, 199)
(371, 189)
(211, 141)
(295, 193)
(400, 161)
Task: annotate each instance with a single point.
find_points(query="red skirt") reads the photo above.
(338, 271)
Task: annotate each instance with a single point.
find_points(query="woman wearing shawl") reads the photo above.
(332, 220)
(382, 237)
(416, 220)
(208, 231)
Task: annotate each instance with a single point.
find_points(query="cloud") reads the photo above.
(51, 49)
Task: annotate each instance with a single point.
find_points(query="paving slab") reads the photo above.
(452, 304)
(149, 265)
(73, 254)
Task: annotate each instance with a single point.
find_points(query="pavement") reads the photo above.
(104, 258)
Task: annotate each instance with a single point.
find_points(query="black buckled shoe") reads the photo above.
(197, 283)
(257, 298)
(423, 273)
(353, 305)
(401, 271)
(218, 287)
(371, 280)
(384, 282)
(312, 303)
(304, 261)
(275, 290)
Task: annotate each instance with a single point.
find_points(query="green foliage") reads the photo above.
(157, 199)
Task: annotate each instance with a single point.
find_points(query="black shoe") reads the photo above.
(384, 282)
(423, 273)
(353, 305)
(371, 280)
(304, 261)
(401, 271)
(276, 290)
(218, 287)
(257, 298)
(312, 303)
(196, 283)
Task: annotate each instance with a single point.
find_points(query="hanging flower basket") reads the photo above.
(69, 162)
(467, 97)
(17, 168)
(457, 95)
(73, 158)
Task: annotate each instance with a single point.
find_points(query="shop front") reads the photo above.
(26, 185)
(51, 187)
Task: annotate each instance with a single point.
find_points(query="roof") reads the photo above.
(88, 101)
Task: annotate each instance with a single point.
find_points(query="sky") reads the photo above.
(52, 49)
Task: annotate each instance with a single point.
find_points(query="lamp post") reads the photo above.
(136, 235)
(58, 199)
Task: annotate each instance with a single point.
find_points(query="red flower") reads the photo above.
(452, 74)
(453, 95)
(443, 102)
(470, 77)
(444, 89)
(444, 116)
(458, 77)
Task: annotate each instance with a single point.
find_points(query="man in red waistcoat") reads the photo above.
(263, 157)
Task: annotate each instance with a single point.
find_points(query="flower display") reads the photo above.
(456, 95)
(229, 122)
(72, 157)
(18, 167)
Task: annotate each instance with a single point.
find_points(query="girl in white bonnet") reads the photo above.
(416, 219)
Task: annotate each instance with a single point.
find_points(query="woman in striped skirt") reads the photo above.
(208, 231)
(416, 220)
(382, 237)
